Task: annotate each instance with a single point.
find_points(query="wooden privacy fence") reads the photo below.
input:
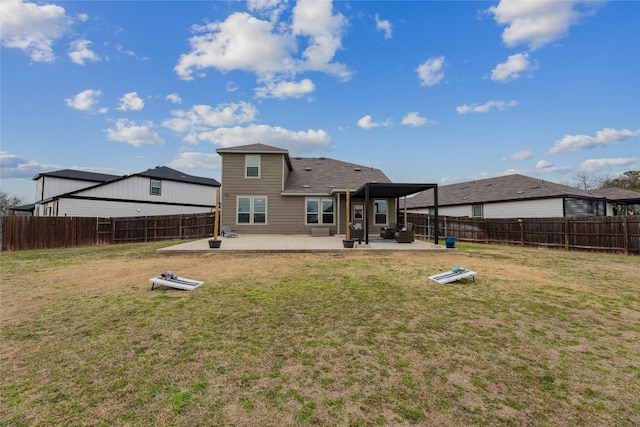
(32, 232)
(617, 234)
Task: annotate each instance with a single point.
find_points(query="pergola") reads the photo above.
(393, 191)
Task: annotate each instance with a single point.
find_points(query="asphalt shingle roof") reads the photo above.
(321, 175)
(163, 172)
(503, 188)
(79, 175)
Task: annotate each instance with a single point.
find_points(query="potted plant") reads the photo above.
(214, 242)
(450, 242)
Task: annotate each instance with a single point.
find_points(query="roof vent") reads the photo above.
(519, 192)
(321, 158)
(306, 186)
(308, 168)
(357, 169)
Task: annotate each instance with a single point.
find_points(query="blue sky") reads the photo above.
(427, 91)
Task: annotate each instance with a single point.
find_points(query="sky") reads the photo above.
(427, 91)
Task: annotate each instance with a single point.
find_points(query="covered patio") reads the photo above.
(393, 191)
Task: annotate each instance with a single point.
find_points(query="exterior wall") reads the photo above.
(137, 188)
(54, 186)
(517, 209)
(283, 213)
(106, 208)
(524, 209)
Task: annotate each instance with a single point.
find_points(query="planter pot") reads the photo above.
(450, 242)
(215, 243)
(347, 243)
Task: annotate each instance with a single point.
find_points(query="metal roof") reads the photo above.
(391, 190)
(79, 175)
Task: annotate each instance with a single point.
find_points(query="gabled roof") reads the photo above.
(499, 189)
(321, 175)
(256, 149)
(78, 175)
(165, 173)
(617, 194)
(252, 148)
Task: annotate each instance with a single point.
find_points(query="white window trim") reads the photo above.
(246, 165)
(473, 215)
(319, 200)
(252, 211)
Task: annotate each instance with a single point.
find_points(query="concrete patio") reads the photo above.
(278, 243)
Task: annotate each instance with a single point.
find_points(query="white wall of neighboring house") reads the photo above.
(104, 208)
(138, 188)
(543, 208)
(54, 186)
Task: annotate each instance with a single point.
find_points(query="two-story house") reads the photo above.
(266, 191)
(157, 191)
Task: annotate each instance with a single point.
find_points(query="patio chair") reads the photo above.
(405, 235)
(389, 232)
(228, 232)
(356, 233)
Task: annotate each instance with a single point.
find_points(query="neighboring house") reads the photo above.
(266, 191)
(23, 210)
(510, 196)
(158, 191)
(619, 201)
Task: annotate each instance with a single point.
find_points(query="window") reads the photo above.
(358, 211)
(320, 211)
(476, 211)
(252, 210)
(380, 212)
(156, 187)
(252, 165)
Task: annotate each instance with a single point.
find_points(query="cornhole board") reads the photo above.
(450, 276)
(178, 283)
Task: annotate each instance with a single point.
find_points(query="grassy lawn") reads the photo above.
(544, 338)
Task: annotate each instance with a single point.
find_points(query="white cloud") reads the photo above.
(284, 90)
(271, 8)
(80, 52)
(130, 132)
(195, 160)
(430, 72)
(244, 42)
(520, 155)
(605, 136)
(13, 166)
(205, 117)
(366, 122)
(414, 119)
(593, 165)
(131, 101)
(537, 23)
(513, 68)
(174, 98)
(486, 107)
(33, 28)
(85, 100)
(295, 141)
(384, 26)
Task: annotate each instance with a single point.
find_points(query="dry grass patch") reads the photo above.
(543, 338)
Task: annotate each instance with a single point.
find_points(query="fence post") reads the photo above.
(521, 222)
(113, 230)
(625, 234)
(566, 233)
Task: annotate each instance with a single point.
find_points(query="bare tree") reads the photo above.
(7, 203)
(587, 181)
